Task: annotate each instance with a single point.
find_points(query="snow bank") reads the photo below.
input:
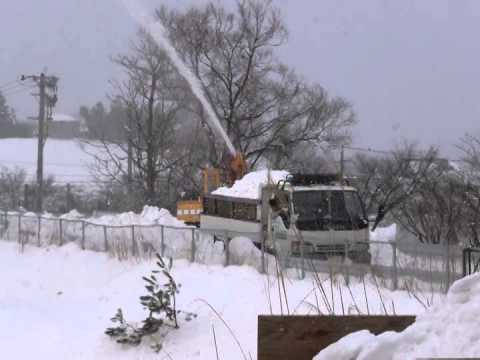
(150, 215)
(244, 252)
(249, 186)
(123, 235)
(450, 329)
(381, 248)
(384, 234)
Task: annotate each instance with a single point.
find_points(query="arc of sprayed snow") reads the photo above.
(157, 31)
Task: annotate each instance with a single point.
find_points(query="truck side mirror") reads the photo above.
(380, 216)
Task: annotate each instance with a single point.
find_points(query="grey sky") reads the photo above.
(410, 68)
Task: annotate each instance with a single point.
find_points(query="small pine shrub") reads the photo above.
(160, 301)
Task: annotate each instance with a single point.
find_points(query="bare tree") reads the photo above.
(152, 96)
(386, 183)
(436, 213)
(12, 182)
(469, 169)
(265, 107)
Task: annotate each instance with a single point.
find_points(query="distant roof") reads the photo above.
(63, 117)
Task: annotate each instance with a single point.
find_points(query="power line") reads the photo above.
(17, 91)
(46, 164)
(390, 152)
(369, 150)
(11, 88)
(9, 84)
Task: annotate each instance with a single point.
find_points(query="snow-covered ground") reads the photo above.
(55, 303)
(449, 329)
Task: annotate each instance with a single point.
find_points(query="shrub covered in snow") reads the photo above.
(160, 303)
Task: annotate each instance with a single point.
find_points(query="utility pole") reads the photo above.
(342, 162)
(46, 103)
(41, 143)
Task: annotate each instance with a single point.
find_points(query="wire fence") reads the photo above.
(394, 264)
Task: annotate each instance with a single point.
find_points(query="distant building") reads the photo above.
(62, 126)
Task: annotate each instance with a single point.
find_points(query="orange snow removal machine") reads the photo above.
(189, 210)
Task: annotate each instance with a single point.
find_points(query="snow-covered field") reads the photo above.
(56, 302)
(64, 159)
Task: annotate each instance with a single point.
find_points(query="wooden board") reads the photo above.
(302, 337)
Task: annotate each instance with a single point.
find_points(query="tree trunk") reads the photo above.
(151, 173)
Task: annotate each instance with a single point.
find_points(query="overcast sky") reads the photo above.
(410, 68)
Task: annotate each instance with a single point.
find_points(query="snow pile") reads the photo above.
(450, 329)
(381, 248)
(249, 186)
(160, 216)
(384, 234)
(150, 215)
(72, 215)
(123, 235)
(244, 252)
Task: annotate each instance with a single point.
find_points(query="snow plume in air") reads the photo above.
(157, 31)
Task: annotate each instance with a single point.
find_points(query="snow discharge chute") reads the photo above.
(158, 33)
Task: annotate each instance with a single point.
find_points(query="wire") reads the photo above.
(17, 89)
(45, 164)
(9, 84)
(369, 150)
(386, 152)
(11, 88)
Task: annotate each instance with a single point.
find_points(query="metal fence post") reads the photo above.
(227, 249)
(193, 245)
(7, 224)
(60, 227)
(302, 254)
(347, 267)
(134, 248)
(82, 245)
(6, 219)
(162, 240)
(263, 251)
(394, 264)
(39, 230)
(105, 239)
(19, 227)
(447, 265)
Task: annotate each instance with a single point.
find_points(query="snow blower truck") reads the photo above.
(302, 214)
(313, 215)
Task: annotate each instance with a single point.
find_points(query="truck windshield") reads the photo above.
(325, 210)
(354, 206)
(313, 209)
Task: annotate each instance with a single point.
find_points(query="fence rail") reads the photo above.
(395, 267)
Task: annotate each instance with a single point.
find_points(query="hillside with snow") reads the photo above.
(66, 160)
